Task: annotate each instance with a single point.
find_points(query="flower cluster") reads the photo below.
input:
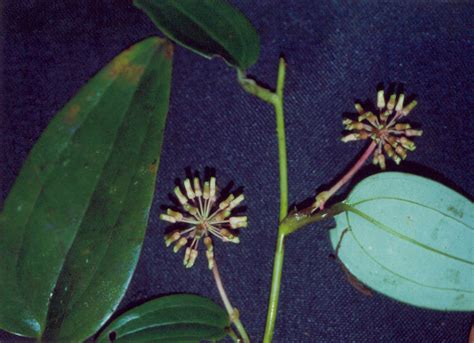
(204, 215)
(384, 128)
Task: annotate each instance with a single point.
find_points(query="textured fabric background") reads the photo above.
(337, 51)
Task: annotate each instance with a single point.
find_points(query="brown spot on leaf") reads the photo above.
(71, 115)
(118, 65)
(153, 168)
(133, 73)
(169, 50)
(123, 66)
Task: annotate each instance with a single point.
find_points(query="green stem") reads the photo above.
(280, 123)
(276, 99)
(280, 247)
(275, 288)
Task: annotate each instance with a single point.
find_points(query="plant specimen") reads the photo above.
(73, 224)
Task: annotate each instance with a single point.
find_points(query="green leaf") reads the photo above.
(411, 239)
(174, 318)
(72, 227)
(207, 27)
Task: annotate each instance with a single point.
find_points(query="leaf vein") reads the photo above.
(415, 203)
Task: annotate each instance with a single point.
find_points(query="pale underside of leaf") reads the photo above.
(394, 253)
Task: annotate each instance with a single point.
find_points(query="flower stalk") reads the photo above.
(234, 315)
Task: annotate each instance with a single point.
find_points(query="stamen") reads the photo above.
(399, 106)
(206, 191)
(408, 144)
(401, 152)
(388, 149)
(372, 119)
(396, 158)
(224, 204)
(411, 133)
(209, 252)
(350, 137)
(176, 215)
(182, 199)
(181, 242)
(380, 99)
(238, 222)
(222, 215)
(187, 254)
(234, 203)
(359, 108)
(381, 161)
(346, 122)
(197, 187)
(391, 103)
(407, 109)
(172, 237)
(168, 218)
(192, 258)
(189, 190)
(401, 127)
(229, 237)
(213, 188)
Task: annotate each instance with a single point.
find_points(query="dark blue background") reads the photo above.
(337, 51)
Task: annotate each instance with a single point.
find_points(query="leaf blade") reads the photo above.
(410, 241)
(88, 133)
(174, 318)
(206, 27)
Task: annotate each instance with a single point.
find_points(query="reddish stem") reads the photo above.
(360, 162)
(233, 312)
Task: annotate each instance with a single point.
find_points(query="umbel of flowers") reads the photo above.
(387, 134)
(384, 128)
(203, 215)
